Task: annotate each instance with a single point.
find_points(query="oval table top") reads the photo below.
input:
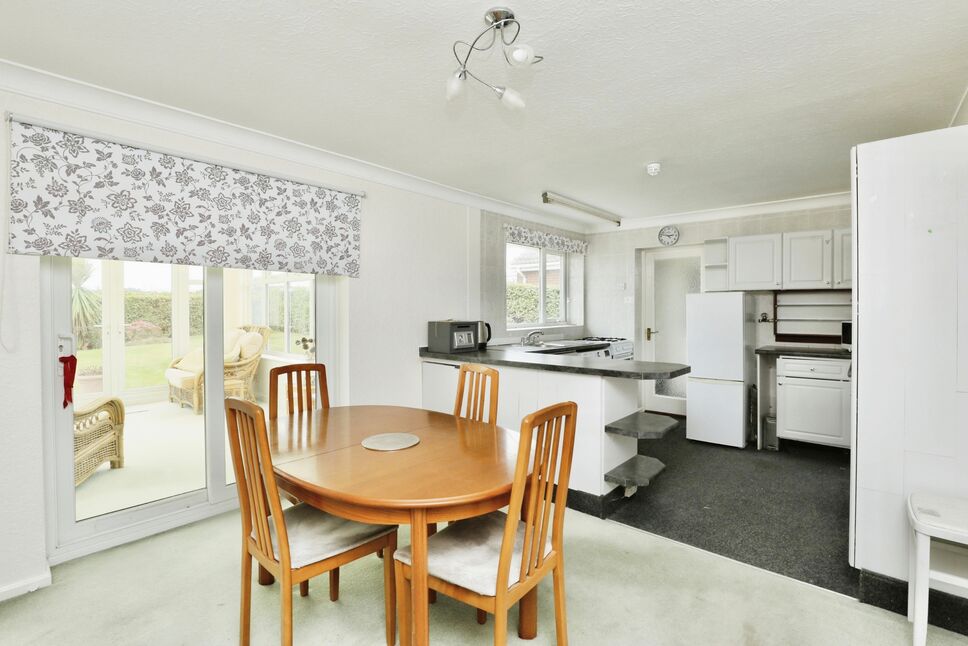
(456, 462)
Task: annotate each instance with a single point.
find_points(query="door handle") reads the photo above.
(649, 332)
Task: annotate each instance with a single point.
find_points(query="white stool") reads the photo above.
(939, 517)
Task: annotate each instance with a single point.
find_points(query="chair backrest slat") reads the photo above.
(299, 387)
(546, 447)
(258, 493)
(476, 386)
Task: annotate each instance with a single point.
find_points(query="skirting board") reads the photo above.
(18, 588)
(944, 610)
(597, 506)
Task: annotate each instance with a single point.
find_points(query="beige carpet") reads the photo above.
(624, 587)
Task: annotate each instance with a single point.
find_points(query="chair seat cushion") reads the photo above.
(315, 535)
(466, 553)
(181, 378)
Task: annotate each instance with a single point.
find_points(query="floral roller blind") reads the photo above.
(531, 237)
(74, 195)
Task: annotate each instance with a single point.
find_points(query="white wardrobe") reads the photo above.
(911, 336)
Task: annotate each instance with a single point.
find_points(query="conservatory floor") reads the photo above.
(164, 455)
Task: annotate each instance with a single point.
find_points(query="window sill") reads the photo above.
(550, 326)
(286, 358)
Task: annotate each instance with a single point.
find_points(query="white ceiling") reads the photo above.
(742, 101)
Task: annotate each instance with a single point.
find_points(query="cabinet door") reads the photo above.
(813, 410)
(843, 259)
(439, 386)
(755, 262)
(808, 260)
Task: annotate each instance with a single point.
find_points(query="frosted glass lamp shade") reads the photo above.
(455, 85)
(511, 99)
(520, 55)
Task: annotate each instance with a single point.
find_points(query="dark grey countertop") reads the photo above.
(832, 352)
(572, 363)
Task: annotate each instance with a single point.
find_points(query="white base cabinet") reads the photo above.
(814, 407)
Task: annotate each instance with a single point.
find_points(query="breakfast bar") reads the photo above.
(606, 390)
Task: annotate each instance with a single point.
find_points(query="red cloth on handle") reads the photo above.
(70, 367)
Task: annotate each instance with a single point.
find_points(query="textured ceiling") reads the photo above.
(742, 101)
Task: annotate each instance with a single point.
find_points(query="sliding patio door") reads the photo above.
(164, 344)
(135, 444)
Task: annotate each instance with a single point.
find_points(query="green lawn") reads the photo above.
(144, 364)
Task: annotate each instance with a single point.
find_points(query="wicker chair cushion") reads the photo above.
(231, 339)
(193, 362)
(181, 378)
(250, 344)
(466, 553)
(315, 535)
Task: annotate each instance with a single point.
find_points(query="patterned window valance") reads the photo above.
(74, 195)
(523, 235)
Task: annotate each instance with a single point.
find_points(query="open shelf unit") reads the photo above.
(715, 260)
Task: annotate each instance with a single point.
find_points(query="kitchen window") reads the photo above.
(536, 286)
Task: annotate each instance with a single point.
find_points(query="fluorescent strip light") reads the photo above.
(553, 198)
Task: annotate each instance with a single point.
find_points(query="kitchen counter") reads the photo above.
(570, 363)
(800, 351)
(605, 390)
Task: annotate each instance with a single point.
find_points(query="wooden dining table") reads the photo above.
(459, 469)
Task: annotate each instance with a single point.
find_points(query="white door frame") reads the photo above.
(652, 401)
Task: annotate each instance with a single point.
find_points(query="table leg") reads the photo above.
(528, 615)
(923, 565)
(912, 570)
(418, 577)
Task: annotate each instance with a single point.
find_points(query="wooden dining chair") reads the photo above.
(492, 561)
(299, 392)
(299, 384)
(299, 542)
(476, 386)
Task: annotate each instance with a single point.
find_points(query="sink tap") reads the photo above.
(532, 338)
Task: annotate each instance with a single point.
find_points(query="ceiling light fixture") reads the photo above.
(500, 21)
(553, 198)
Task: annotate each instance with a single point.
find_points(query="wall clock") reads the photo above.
(668, 235)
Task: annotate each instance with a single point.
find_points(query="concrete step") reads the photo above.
(643, 426)
(637, 471)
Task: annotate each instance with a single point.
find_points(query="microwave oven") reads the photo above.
(847, 334)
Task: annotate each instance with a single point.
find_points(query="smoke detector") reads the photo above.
(653, 169)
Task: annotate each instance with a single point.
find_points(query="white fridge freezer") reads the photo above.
(720, 333)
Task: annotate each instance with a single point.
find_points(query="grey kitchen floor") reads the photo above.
(786, 512)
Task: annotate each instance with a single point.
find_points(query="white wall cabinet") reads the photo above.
(755, 262)
(843, 259)
(808, 259)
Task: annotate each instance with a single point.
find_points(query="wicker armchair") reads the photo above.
(239, 375)
(98, 437)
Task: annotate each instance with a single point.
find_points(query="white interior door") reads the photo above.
(669, 274)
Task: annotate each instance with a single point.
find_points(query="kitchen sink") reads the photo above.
(554, 347)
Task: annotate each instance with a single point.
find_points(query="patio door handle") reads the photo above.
(65, 345)
(649, 332)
